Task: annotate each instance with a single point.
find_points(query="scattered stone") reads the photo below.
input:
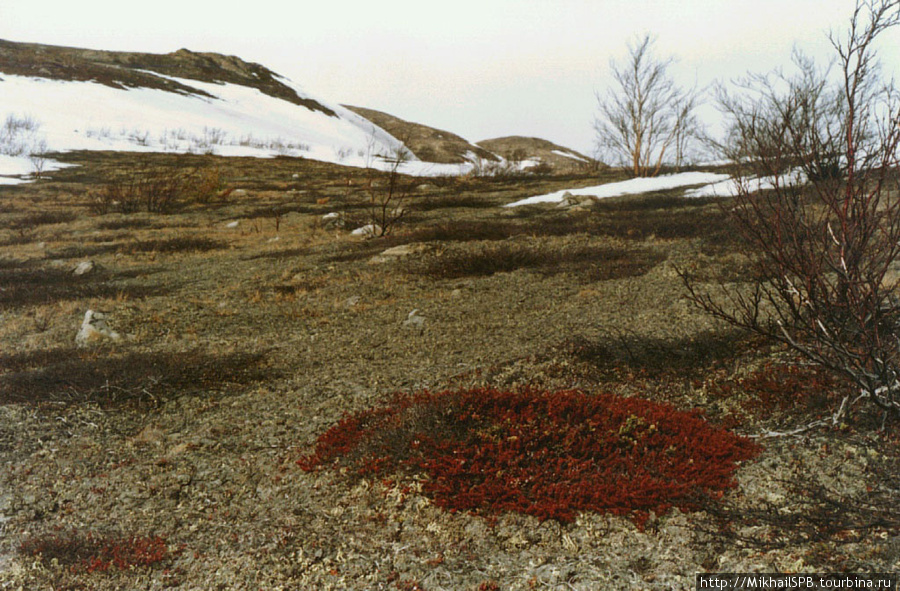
(85, 267)
(295, 176)
(275, 239)
(414, 321)
(149, 434)
(334, 221)
(367, 231)
(396, 252)
(570, 201)
(239, 193)
(233, 224)
(94, 329)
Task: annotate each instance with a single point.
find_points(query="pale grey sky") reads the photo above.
(481, 69)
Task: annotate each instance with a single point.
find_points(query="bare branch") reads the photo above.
(645, 115)
(825, 239)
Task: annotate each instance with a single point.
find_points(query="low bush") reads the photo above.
(96, 553)
(69, 376)
(155, 188)
(126, 224)
(591, 263)
(452, 201)
(780, 387)
(172, 245)
(547, 454)
(655, 357)
(43, 218)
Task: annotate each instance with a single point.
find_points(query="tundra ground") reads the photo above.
(249, 325)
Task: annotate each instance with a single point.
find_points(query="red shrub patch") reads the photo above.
(89, 553)
(547, 454)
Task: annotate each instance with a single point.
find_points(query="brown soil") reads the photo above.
(241, 344)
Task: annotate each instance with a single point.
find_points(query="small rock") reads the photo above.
(233, 224)
(295, 176)
(414, 321)
(367, 231)
(352, 301)
(84, 267)
(177, 450)
(149, 434)
(404, 250)
(570, 201)
(333, 220)
(239, 193)
(94, 329)
(395, 252)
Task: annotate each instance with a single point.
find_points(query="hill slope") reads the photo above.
(427, 143)
(65, 98)
(517, 149)
(136, 70)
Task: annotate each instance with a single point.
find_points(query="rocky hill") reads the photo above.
(427, 143)
(209, 103)
(136, 70)
(555, 157)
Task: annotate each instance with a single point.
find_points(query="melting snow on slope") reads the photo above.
(240, 121)
(630, 187)
(12, 167)
(568, 155)
(729, 187)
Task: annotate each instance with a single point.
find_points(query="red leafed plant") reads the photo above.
(91, 553)
(547, 454)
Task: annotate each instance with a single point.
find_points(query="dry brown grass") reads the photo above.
(237, 346)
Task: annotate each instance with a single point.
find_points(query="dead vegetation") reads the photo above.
(250, 329)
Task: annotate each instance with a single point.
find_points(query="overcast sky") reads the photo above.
(479, 68)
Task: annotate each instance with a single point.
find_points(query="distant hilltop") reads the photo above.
(186, 101)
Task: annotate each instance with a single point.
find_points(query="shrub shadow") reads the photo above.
(24, 284)
(110, 379)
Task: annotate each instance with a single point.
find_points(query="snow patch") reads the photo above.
(22, 166)
(237, 121)
(629, 187)
(568, 155)
(729, 187)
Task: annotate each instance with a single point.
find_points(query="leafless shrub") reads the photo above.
(386, 194)
(155, 188)
(482, 167)
(645, 119)
(825, 237)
